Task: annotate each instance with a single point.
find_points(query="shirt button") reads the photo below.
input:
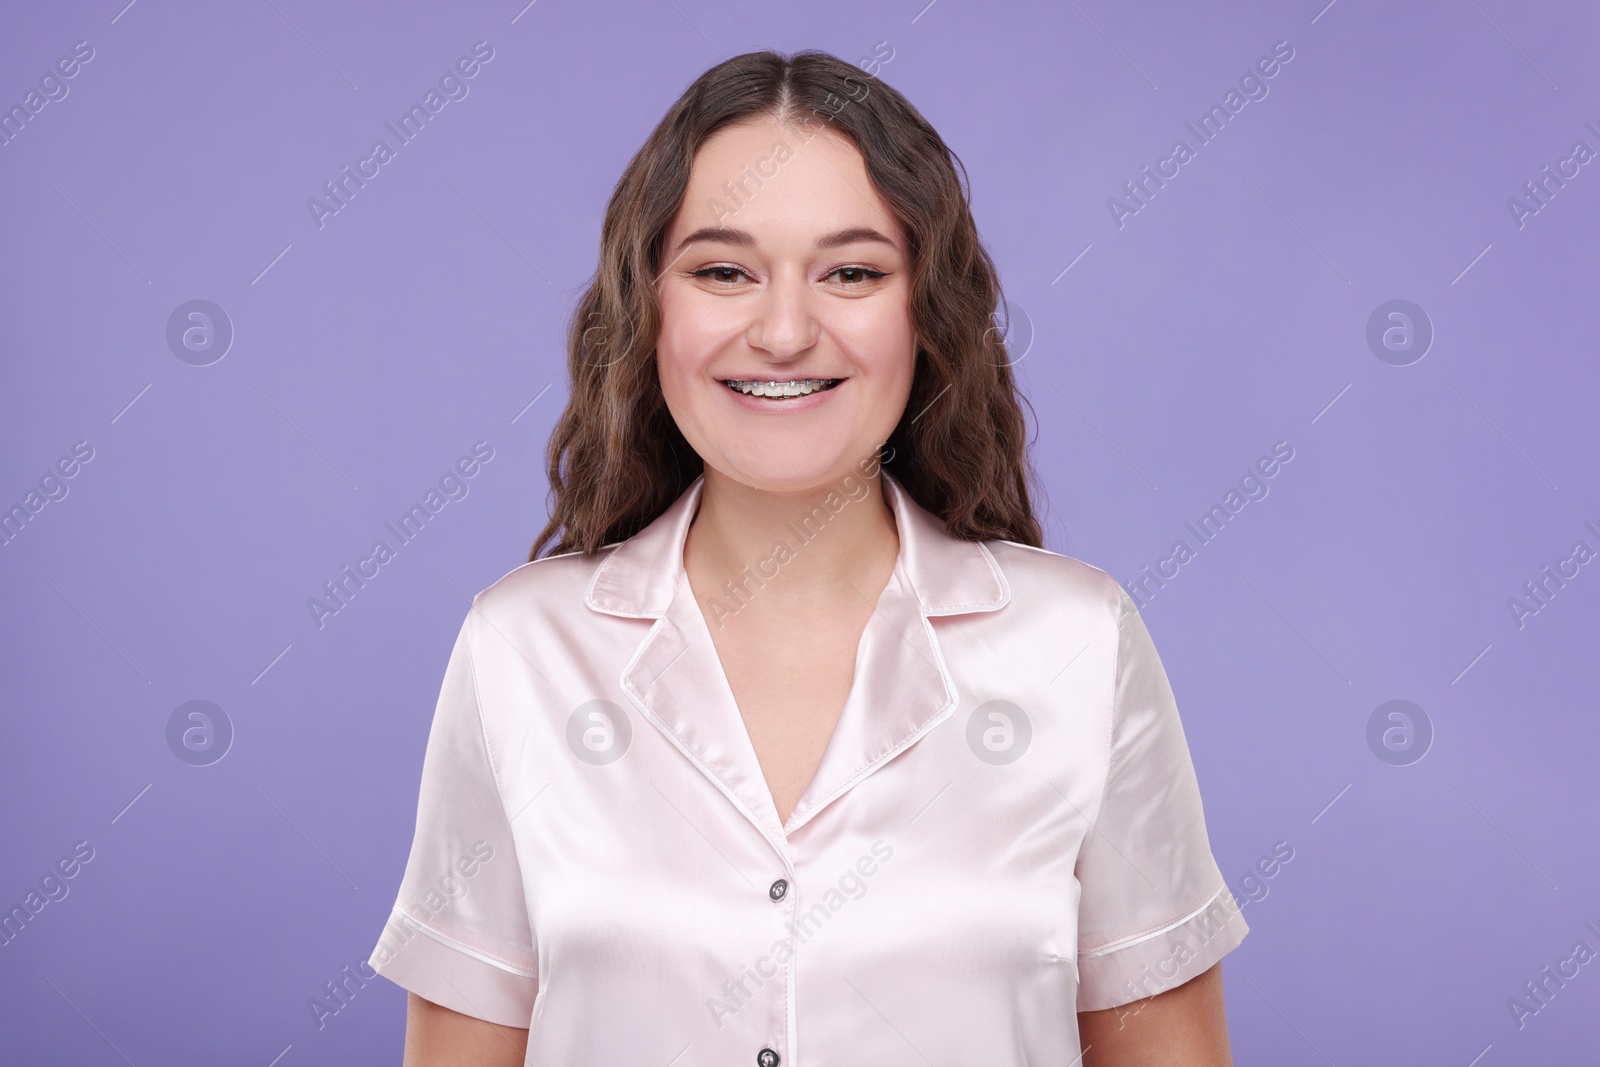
(766, 1058)
(777, 891)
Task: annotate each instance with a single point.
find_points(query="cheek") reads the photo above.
(674, 378)
(885, 347)
(678, 348)
(690, 334)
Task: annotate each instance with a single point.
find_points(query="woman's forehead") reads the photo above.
(780, 183)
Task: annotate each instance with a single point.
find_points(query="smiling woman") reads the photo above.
(786, 315)
(787, 355)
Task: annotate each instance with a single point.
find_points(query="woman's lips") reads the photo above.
(780, 404)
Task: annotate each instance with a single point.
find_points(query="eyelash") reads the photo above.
(871, 275)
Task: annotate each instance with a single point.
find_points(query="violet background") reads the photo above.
(1228, 314)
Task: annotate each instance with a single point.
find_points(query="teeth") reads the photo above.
(792, 387)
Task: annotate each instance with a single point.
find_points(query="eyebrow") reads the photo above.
(729, 235)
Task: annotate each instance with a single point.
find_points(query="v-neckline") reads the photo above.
(901, 687)
(704, 634)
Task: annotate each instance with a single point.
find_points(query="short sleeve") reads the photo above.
(1154, 909)
(458, 934)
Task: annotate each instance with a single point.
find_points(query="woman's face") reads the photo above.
(803, 277)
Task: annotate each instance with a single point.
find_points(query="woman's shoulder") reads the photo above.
(554, 584)
(1042, 578)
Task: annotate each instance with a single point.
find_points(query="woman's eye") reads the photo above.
(863, 274)
(716, 273)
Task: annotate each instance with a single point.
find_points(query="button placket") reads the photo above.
(781, 894)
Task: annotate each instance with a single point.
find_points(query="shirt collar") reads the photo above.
(902, 688)
(950, 576)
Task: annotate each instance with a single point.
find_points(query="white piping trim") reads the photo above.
(463, 949)
(1117, 946)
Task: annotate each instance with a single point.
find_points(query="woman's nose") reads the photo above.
(784, 321)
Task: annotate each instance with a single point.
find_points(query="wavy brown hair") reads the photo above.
(616, 459)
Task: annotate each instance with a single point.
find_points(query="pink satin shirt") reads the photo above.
(1005, 828)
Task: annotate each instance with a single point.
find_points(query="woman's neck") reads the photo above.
(812, 549)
